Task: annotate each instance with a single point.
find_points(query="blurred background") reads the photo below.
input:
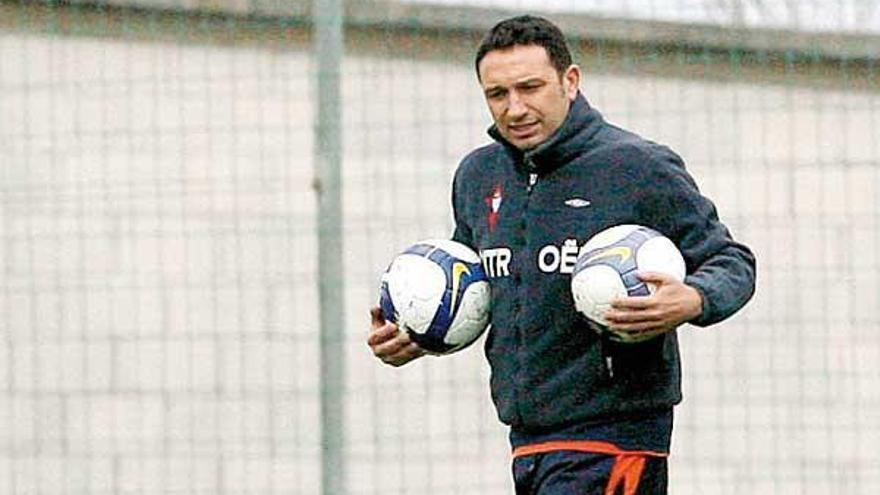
(197, 198)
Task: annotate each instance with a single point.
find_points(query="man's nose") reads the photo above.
(516, 108)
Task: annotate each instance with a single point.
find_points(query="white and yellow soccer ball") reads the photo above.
(437, 291)
(607, 266)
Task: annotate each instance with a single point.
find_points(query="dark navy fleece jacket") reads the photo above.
(527, 214)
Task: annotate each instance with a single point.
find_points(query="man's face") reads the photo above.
(527, 97)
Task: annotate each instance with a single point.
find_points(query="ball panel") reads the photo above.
(460, 275)
(634, 285)
(386, 302)
(659, 254)
(455, 249)
(593, 289)
(415, 286)
(618, 256)
(472, 319)
(608, 236)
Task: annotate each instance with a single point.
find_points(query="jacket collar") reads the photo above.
(576, 130)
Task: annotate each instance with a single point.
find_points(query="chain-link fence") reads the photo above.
(158, 216)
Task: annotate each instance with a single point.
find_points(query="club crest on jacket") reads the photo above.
(493, 200)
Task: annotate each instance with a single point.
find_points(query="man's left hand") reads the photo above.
(672, 303)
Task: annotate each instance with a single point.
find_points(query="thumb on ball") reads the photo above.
(655, 277)
(377, 317)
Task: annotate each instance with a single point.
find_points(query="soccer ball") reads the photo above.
(607, 266)
(438, 292)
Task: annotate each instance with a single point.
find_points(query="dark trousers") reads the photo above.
(587, 473)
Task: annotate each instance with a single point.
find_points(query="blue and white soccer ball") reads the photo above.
(438, 292)
(607, 266)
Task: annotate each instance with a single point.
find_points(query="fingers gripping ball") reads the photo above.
(438, 292)
(607, 268)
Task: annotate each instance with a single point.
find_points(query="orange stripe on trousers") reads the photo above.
(628, 464)
(588, 446)
(626, 474)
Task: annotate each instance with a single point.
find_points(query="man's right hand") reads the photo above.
(389, 344)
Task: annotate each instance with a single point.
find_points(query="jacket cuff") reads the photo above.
(705, 317)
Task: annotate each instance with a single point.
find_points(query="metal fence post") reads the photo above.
(327, 53)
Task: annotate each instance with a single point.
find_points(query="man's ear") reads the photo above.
(571, 81)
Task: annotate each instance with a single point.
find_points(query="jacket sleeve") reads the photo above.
(720, 268)
(462, 232)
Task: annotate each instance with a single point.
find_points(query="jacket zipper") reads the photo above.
(530, 185)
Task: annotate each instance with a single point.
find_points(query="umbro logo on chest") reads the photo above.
(577, 202)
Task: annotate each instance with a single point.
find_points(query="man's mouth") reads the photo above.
(522, 130)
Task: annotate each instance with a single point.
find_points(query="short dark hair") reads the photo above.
(527, 30)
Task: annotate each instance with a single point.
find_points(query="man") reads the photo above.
(587, 415)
